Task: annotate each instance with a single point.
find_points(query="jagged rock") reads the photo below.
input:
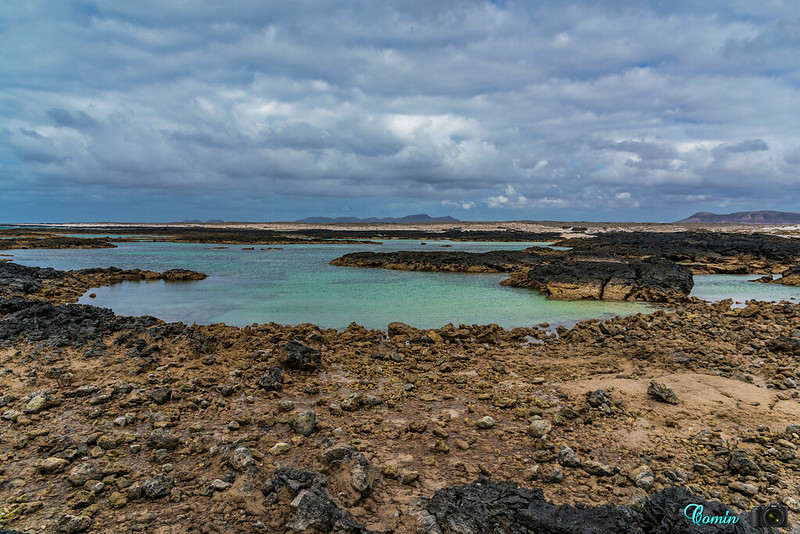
(84, 472)
(272, 380)
(352, 402)
(568, 458)
(650, 280)
(505, 508)
(662, 392)
(350, 472)
(301, 357)
(161, 395)
(52, 465)
(161, 438)
(157, 486)
(36, 404)
(314, 508)
(741, 463)
(643, 477)
(279, 448)
(71, 524)
(240, 459)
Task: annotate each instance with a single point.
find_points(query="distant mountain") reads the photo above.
(745, 217)
(408, 219)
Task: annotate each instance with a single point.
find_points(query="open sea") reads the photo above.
(292, 284)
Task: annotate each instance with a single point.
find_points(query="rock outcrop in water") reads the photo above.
(560, 275)
(499, 261)
(649, 280)
(55, 242)
(789, 277)
(68, 286)
(702, 252)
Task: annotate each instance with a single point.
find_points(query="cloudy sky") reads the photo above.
(161, 110)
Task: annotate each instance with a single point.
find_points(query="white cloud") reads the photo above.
(520, 105)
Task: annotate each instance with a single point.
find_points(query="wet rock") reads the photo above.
(661, 392)
(651, 280)
(301, 357)
(272, 380)
(568, 458)
(305, 422)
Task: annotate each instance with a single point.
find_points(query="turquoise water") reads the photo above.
(295, 284)
(716, 287)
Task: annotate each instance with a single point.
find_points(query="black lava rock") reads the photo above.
(299, 356)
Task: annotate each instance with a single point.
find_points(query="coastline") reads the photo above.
(136, 399)
(108, 417)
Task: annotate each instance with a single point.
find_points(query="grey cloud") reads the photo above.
(76, 119)
(750, 145)
(568, 105)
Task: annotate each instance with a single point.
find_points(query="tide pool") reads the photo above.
(292, 284)
(740, 288)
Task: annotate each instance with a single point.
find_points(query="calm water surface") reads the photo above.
(295, 284)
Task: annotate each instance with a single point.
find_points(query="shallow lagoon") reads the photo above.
(292, 284)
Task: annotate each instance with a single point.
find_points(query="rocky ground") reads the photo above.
(135, 425)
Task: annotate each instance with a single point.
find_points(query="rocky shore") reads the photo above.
(702, 252)
(69, 286)
(54, 242)
(561, 275)
(131, 424)
(790, 277)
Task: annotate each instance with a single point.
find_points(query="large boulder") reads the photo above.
(650, 280)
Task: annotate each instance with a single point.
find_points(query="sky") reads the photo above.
(245, 110)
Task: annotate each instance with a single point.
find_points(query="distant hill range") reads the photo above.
(745, 217)
(408, 219)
